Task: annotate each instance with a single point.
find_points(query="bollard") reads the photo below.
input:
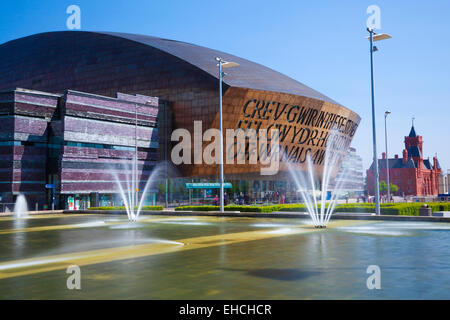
(424, 211)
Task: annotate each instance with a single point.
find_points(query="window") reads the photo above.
(109, 146)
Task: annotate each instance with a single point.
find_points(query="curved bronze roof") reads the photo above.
(248, 75)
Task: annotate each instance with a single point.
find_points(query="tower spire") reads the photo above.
(412, 133)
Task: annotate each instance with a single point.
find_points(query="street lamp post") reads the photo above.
(165, 156)
(136, 189)
(386, 113)
(136, 184)
(222, 64)
(372, 38)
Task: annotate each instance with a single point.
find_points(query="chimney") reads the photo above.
(383, 155)
(434, 163)
(396, 156)
(405, 156)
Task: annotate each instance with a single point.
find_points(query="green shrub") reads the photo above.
(247, 208)
(150, 208)
(406, 209)
(240, 208)
(294, 207)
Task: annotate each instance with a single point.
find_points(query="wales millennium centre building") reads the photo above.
(74, 105)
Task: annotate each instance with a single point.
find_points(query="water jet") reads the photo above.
(314, 190)
(20, 207)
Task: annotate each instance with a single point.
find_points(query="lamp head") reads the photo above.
(381, 36)
(229, 64)
(226, 64)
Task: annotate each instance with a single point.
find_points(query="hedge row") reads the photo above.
(404, 209)
(270, 208)
(150, 208)
(409, 209)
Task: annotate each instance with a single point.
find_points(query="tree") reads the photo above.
(244, 186)
(161, 190)
(383, 186)
(234, 187)
(392, 187)
(366, 190)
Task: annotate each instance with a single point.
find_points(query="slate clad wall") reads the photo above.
(25, 118)
(97, 122)
(74, 140)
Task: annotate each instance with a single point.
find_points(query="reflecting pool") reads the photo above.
(174, 257)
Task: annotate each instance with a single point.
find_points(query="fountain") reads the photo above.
(314, 190)
(20, 207)
(128, 187)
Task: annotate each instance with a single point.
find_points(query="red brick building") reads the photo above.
(413, 174)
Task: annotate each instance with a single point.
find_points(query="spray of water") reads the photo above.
(128, 186)
(20, 207)
(314, 190)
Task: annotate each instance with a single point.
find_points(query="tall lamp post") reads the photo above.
(222, 64)
(372, 38)
(386, 113)
(136, 184)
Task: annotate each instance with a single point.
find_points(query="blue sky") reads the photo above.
(319, 43)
